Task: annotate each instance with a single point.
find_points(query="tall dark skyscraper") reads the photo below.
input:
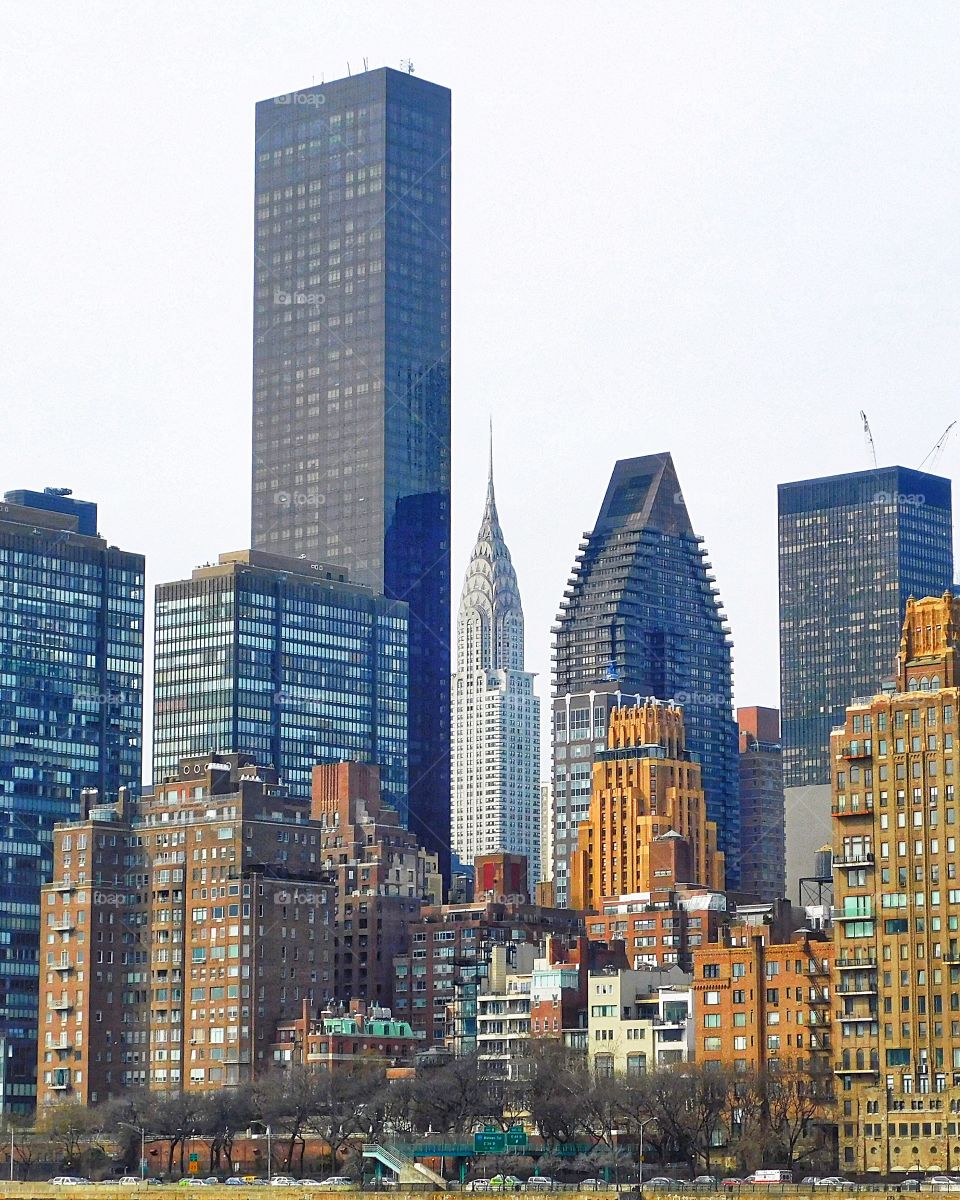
(641, 618)
(71, 718)
(853, 548)
(351, 367)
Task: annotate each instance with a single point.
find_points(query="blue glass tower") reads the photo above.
(71, 717)
(351, 368)
(642, 617)
(281, 659)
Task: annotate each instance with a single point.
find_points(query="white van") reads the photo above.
(773, 1177)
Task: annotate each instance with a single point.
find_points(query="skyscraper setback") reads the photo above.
(351, 366)
(642, 618)
(853, 549)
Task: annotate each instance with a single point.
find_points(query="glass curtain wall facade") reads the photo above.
(71, 718)
(853, 548)
(641, 618)
(283, 660)
(351, 368)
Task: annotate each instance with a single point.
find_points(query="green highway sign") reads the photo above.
(489, 1141)
(517, 1136)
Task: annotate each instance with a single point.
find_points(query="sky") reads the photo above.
(718, 229)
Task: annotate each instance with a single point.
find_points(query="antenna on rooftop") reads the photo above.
(348, 69)
(406, 64)
(365, 67)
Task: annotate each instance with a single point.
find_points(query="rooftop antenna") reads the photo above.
(869, 436)
(348, 69)
(406, 64)
(935, 453)
(365, 67)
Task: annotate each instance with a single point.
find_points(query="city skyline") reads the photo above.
(789, 305)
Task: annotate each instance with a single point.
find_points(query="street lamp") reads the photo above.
(642, 1123)
(143, 1145)
(269, 1132)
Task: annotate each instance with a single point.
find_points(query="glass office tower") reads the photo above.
(282, 659)
(351, 367)
(71, 717)
(853, 548)
(642, 617)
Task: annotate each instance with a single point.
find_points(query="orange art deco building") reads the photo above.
(645, 784)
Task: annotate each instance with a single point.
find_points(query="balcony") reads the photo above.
(63, 885)
(840, 1069)
(845, 810)
(62, 966)
(60, 1084)
(62, 1043)
(60, 1005)
(64, 926)
(857, 989)
(861, 962)
(853, 751)
(853, 860)
(856, 1018)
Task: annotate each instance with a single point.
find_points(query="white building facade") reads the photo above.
(495, 715)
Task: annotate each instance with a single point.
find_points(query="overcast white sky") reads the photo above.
(717, 229)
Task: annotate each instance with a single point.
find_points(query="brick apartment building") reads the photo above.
(382, 876)
(179, 933)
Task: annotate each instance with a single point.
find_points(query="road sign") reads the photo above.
(489, 1141)
(194, 1166)
(517, 1137)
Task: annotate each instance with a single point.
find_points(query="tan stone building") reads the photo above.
(645, 784)
(897, 916)
(178, 935)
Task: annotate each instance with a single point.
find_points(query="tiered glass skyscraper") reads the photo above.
(351, 368)
(495, 796)
(71, 717)
(853, 549)
(284, 660)
(641, 617)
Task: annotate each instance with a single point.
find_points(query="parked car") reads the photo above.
(944, 1183)
(69, 1181)
(504, 1183)
(477, 1185)
(810, 1181)
(125, 1181)
(283, 1181)
(593, 1185)
(705, 1181)
(661, 1181)
(540, 1183)
(235, 1181)
(836, 1182)
(335, 1181)
(772, 1175)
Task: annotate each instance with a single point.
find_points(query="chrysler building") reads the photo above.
(495, 717)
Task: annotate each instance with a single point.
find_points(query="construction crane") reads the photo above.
(938, 448)
(869, 436)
